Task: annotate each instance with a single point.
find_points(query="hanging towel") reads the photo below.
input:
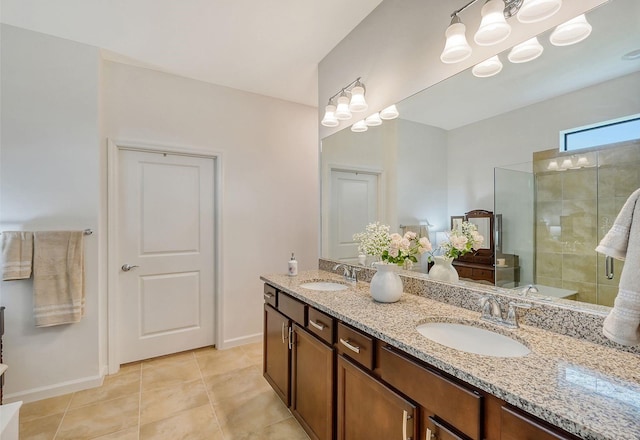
(622, 325)
(17, 252)
(58, 277)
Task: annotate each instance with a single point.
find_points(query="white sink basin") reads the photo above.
(472, 339)
(327, 286)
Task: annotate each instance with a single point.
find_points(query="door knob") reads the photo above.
(127, 267)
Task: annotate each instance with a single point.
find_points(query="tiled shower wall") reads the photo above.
(574, 209)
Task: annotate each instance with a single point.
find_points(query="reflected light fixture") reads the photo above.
(533, 11)
(330, 119)
(493, 28)
(457, 47)
(571, 32)
(390, 112)
(359, 126)
(527, 51)
(349, 99)
(373, 120)
(487, 68)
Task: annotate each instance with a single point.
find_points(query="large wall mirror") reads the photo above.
(467, 143)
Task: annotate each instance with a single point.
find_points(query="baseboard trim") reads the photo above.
(58, 389)
(243, 340)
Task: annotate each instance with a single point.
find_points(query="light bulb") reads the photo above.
(357, 104)
(390, 112)
(342, 111)
(487, 68)
(330, 119)
(571, 32)
(493, 28)
(456, 48)
(373, 120)
(533, 11)
(527, 51)
(359, 126)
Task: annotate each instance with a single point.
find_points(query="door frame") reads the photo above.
(325, 197)
(114, 147)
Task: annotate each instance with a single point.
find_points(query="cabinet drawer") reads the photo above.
(464, 272)
(483, 274)
(293, 308)
(439, 431)
(517, 426)
(454, 404)
(270, 295)
(321, 325)
(356, 345)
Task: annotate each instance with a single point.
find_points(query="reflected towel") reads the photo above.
(58, 277)
(17, 254)
(622, 325)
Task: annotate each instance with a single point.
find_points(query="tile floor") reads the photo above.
(202, 394)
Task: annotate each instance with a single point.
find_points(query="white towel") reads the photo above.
(622, 325)
(17, 253)
(58, 277)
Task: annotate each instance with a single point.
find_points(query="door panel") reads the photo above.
(165, 231)
(277, 359)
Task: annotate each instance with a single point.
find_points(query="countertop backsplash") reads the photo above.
(578, 320)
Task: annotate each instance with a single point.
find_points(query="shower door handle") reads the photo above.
(608, 267)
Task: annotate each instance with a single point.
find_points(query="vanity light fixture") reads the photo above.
(457, 47)
(488, 67)
(359, 126)
(349, 99)
(373, 120)
(525, 52)
(533, 11)
(493, 28)
(390, 112)
(571, 32)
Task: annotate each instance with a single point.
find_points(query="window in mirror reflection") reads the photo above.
(603, 133)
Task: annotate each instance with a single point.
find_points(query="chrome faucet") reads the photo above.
(529, 289)
(350, 274)
(491, 311)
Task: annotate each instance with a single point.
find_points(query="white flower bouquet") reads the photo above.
(392, 248)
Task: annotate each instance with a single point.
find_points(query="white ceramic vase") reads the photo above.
(386, 285)
(442, 270)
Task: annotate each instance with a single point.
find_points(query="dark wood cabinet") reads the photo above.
(276, 365)
(515, 425)
(312, 384)
(368, 409)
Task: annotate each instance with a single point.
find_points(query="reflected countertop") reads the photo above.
(587, 389)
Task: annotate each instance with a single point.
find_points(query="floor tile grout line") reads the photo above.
(64, 414)
(206, 390)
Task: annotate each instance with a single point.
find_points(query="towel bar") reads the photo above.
(86, 232)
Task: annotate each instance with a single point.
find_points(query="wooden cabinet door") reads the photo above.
(276, 366)
(312, 384)
(518, 426)
(367, 409)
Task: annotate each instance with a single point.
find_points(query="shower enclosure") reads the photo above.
(555, 210)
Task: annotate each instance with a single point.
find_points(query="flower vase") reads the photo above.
(386, 285)
(442, 270)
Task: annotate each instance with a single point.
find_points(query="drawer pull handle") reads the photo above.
(317, 325)
(349, 345)
(430, 435)
(290, 338)
(268, 296)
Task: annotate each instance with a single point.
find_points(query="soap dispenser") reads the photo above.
(293, 265)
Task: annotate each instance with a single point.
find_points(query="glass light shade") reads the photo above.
(583, 162)
(359, 126)
(390, 112)
(330, 119)
(566, 164)
(357, 104)
(553, 165)
(493, 28)
(373, 120)
(342, 111)
(533, 11)
(457, 47)
(487, 68)
(527, 51)
(571, 32)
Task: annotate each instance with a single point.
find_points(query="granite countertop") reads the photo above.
(587, 389)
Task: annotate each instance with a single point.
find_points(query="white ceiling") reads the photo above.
(270, 47)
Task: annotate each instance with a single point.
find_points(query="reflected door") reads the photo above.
(354, 204)
(165, 245)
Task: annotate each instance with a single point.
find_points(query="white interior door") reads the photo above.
(166, 236)
(354, 204)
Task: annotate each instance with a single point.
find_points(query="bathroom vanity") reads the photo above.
(351, 368)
